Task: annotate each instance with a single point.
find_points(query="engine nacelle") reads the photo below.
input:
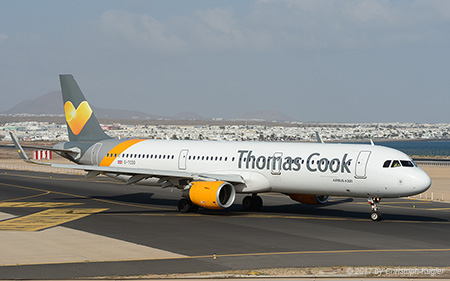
(310, 199)
(212, 194)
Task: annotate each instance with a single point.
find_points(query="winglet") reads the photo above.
(19, 148)
(21, 152)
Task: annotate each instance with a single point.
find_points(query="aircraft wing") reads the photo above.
(139, 174)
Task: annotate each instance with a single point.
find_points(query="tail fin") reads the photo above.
(81, 121)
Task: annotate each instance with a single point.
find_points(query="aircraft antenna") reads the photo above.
(319, 139)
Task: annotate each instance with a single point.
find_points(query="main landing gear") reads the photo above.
(186, 206)
(252, 203)
(376, 214)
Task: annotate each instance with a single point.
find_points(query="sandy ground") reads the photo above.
(440, 186)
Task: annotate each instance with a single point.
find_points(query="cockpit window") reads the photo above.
(397, 163)
(406, 163)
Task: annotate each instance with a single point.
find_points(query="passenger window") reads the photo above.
(387, 164)
(395, 163)
(406, 163)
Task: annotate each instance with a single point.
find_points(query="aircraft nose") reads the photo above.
(423, 181)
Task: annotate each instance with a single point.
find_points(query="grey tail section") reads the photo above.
(82, 125)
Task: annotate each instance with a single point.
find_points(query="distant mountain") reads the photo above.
(267, 115)
(188, 116)
(109, 113)
(50, 103)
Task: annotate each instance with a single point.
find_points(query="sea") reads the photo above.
(421, 147)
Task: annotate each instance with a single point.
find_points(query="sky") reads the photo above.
(314, 60)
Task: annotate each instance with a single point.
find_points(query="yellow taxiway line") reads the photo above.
(17, 204)
(216, 256)
(46, 219)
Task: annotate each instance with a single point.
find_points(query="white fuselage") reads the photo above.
(294, 168)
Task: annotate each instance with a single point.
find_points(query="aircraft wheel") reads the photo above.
(252, 203)
(247, 203)
(376, 216)
(258, 203)
(186, 206)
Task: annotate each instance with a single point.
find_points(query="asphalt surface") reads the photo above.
(283, 234)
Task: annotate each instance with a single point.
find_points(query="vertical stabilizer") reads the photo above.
(82, 124)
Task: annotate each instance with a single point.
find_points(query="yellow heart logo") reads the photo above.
(77, 118)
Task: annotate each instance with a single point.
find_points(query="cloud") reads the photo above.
(141, 30)
(3, 38)
(288, 24)
(353, 23)
(209, 29)
(219, 29)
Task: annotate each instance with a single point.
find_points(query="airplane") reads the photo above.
(209, 174)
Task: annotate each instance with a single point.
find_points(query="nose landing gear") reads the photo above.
(376, 214)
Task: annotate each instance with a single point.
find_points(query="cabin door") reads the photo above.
(182, 159)
(275, 165)
(361, 164)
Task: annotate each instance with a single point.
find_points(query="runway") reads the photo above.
(65, 226)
